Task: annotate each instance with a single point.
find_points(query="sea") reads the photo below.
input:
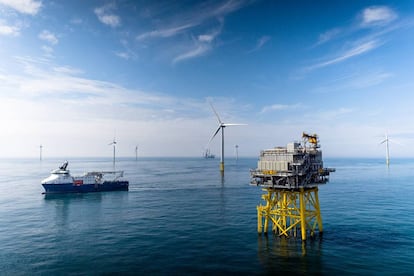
(182, 217)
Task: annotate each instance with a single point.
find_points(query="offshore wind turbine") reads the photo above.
(41, 147)
(113, 143)
(387, 149)
(136, 153)
(221, 127)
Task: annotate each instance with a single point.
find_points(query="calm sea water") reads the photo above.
(181, 217)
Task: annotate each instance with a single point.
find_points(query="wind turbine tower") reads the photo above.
(114, 144)
(221, 127)
(41, 147)
(136, 153)
(237, 152)
(387, 149)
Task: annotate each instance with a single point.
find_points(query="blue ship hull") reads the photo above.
(86, 188)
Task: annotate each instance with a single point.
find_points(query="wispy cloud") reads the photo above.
(127, 53)
(330, 114)
(123, 55)
(260, 43)
(106, 16)
(328, 36)
(280, 107)
(42, 82)
(47, 50)
(377, 16)
(31, 7)
(369, 17)
(359, 49)
(361, 42)
(67, 70)
(354, 81)
(167, 32)
(370, 79)
(48, 37)
(187, 19)
(41, 88)
(198, 51)
(201, 46)
(188, 27)
(76, 21)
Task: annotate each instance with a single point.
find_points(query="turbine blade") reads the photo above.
(395, 142)
(215, 112)
(214, 135)
(234, 124)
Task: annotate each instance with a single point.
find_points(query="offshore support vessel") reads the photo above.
(290, 176)
(61, 181)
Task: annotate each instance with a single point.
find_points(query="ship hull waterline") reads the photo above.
(106, 186)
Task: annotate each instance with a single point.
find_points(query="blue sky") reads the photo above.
(74, 74)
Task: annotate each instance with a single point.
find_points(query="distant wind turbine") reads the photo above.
(237, 152)
(41, 147)
(387, 150)
(136, 153)
(386, 141)
(221, 127)
(113, 143)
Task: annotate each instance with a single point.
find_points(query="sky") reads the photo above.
(74, 75)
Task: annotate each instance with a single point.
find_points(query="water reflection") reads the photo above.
(71, 211)
(289, 255)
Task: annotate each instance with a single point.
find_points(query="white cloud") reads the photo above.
(328, 35)
(9, 30)
(202, 45)
(167, 32)
(186, 20)
(260, 43)
(370, 17)
(371, 79)
(23, 6)
(76, 21)
(56, 106)
(353, 81)
(107, 17)
(67, 70)
(206, 38)
(72, 115)
(330, 114)
(280, 107)
(359, 49)
(47, 50)
(48, 37)
(125, 55)
(377, 15)
(198, 51)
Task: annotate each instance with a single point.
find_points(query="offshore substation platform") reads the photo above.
(289, 177)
